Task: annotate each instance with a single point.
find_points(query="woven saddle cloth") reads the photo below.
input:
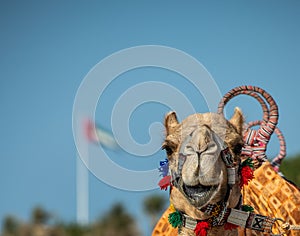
(273, 196)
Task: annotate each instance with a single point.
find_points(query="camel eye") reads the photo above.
(238, 149)
(169, 150)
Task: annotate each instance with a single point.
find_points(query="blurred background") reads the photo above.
(48, 47)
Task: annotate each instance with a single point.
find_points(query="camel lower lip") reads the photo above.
(199, 195)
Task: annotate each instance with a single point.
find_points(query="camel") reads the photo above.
(205, 154)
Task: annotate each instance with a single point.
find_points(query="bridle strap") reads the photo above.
(248, 220)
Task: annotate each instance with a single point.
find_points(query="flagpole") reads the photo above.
(82, 193)
(82, 181)
(88, 133)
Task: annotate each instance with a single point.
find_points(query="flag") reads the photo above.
(100, 136)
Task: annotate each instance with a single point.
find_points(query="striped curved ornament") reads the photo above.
(256, 140)
(276, 161)
(268, 192)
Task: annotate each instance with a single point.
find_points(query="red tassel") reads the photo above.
(201, 228)
(165, 182)
(246, 175)
(229, 226)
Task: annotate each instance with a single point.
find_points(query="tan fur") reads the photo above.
(170, 122)
(237, 120)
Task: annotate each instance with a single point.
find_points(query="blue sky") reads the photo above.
(47, 48)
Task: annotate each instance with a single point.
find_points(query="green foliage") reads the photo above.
(74, 229)
(116, 222)
(39, 215)
(154, 204)
(290, 168)
(10, 225)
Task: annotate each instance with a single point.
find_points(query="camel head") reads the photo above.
(196, 148)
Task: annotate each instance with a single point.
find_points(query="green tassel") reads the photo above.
(175, 219)
(248, 162)
(247, 208)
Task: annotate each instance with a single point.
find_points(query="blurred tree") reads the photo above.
(154, 205)
(74, 229)
(58, 231)
(25, 230)
(39, 215)
(10, 226)
(290, 168)
(116, 222)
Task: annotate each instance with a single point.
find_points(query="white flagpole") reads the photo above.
(82, 181)
(82, 192)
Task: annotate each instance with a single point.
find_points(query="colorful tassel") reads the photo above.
(247, 174)
(175, 219)
(164, 168)
(165, 182)
(164, 162)
(201, 228)
(248, 162)
(247, 208)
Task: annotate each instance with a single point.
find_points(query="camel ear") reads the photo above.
(237, 120)
(171, 122)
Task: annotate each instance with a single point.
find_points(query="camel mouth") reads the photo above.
(199, 195)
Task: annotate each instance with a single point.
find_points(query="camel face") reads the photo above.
(194, 148)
